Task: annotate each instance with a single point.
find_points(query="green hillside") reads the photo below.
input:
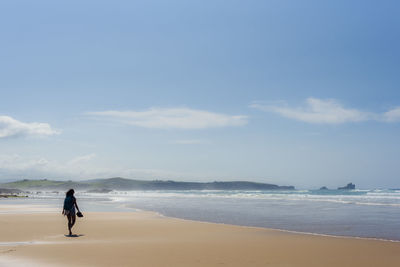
(123, 184)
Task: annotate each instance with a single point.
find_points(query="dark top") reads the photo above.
(69, 203)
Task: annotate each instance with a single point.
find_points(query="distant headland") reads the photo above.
(118, 183)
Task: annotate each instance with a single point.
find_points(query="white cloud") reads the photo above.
(392, 115)
(318, 111)
(181, 118)
(10, 127)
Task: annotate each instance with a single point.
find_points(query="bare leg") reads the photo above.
(73, 218)
(69, 223)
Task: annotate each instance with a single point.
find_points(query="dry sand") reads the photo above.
(147, 239)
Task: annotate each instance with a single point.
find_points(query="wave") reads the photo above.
(364, 197)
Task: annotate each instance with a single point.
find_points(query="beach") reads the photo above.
(200, 133)
(144, 238)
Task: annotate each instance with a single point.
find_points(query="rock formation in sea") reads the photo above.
(349, 186)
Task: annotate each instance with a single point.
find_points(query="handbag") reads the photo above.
(79, 214)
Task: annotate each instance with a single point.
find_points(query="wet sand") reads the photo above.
(147, 239)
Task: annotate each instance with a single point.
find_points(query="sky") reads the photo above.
(302, 93)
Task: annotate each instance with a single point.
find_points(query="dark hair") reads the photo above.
(70, 193)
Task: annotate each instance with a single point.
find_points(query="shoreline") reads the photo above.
(146, 238)
(301, 212)
(49, 209)
(290, 231)
(276, 229)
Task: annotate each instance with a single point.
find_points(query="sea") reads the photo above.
(354, 213)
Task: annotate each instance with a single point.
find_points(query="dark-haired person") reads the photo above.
(69, 208)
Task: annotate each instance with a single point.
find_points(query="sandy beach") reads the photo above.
(148, 239)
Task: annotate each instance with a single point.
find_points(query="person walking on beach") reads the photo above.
(69, 209)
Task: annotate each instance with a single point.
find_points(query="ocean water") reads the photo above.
(357, 213)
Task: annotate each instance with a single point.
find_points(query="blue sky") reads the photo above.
(290, 92)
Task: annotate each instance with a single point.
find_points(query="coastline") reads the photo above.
(277, 229)
(24, 208)
(145, 238)
(299, 212)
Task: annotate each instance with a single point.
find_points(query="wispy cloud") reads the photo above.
(81, 159)
(392, 115)
(10, 127)
(319, 111)
(179, 118)
(17, 163)
(80, 167)
(40, 165)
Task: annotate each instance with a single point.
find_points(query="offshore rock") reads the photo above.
(349, 186)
